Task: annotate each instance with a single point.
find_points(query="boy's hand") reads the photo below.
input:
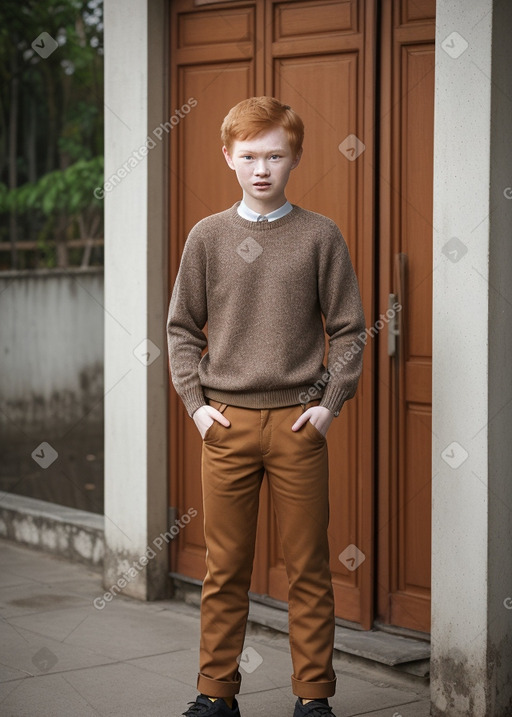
(320, 417)
(205, 416)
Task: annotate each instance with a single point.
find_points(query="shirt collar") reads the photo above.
(252, 216)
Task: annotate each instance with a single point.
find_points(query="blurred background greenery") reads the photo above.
(51, 134)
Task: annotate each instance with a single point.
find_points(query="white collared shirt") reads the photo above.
(252, 216)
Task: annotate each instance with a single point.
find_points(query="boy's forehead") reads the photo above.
(274, 138)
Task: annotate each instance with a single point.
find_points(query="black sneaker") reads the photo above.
(206, 708)
(315, 708)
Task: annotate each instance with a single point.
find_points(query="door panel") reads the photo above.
(303, 19)
(313, 86)
(407, 115)
(206, 183)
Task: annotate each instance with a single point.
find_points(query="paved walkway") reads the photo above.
(62, 656)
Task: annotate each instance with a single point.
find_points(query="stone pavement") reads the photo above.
(62, 656)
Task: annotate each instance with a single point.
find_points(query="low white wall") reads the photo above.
(51, 350)
(76, 535)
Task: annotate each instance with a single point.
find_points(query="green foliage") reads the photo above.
(51, 119)
(68, 191)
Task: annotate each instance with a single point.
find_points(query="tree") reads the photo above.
(51, 108)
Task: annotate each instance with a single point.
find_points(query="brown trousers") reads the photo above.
(234, 460)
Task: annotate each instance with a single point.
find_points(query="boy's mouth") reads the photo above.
(261, 184)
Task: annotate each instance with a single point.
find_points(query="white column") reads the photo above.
(135, 297)
(472, 392)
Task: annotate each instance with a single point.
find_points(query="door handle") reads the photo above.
(393, 325)
(395, 321)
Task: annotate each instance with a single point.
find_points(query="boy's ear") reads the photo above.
(227, 157)
(297, 159)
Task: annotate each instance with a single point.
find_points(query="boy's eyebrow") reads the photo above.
(267, 151)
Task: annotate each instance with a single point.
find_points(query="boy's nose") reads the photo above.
(261, 169)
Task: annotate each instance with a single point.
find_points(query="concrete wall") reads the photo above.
(472, 388)
(136, 294)
(499, 589)
(51, 386)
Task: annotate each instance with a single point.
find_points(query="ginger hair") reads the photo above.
(250, 117)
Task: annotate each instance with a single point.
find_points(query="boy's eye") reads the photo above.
(247, 156)
(275, 156)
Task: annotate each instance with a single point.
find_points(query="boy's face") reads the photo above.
(263, 165)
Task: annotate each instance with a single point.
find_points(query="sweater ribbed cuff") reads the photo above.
(334, 398)
(193, 399)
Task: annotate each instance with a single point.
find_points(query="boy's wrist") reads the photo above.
(334, 412)
(334, 397)
(193, 399)
(334, 402)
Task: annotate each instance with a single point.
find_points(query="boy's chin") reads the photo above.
(264, 196)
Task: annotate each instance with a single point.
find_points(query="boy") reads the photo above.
(262, 273)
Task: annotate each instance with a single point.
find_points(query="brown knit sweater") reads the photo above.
(263, 287)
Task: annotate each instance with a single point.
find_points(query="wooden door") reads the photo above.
(317, 57)
(320, 56)
(405, 379)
